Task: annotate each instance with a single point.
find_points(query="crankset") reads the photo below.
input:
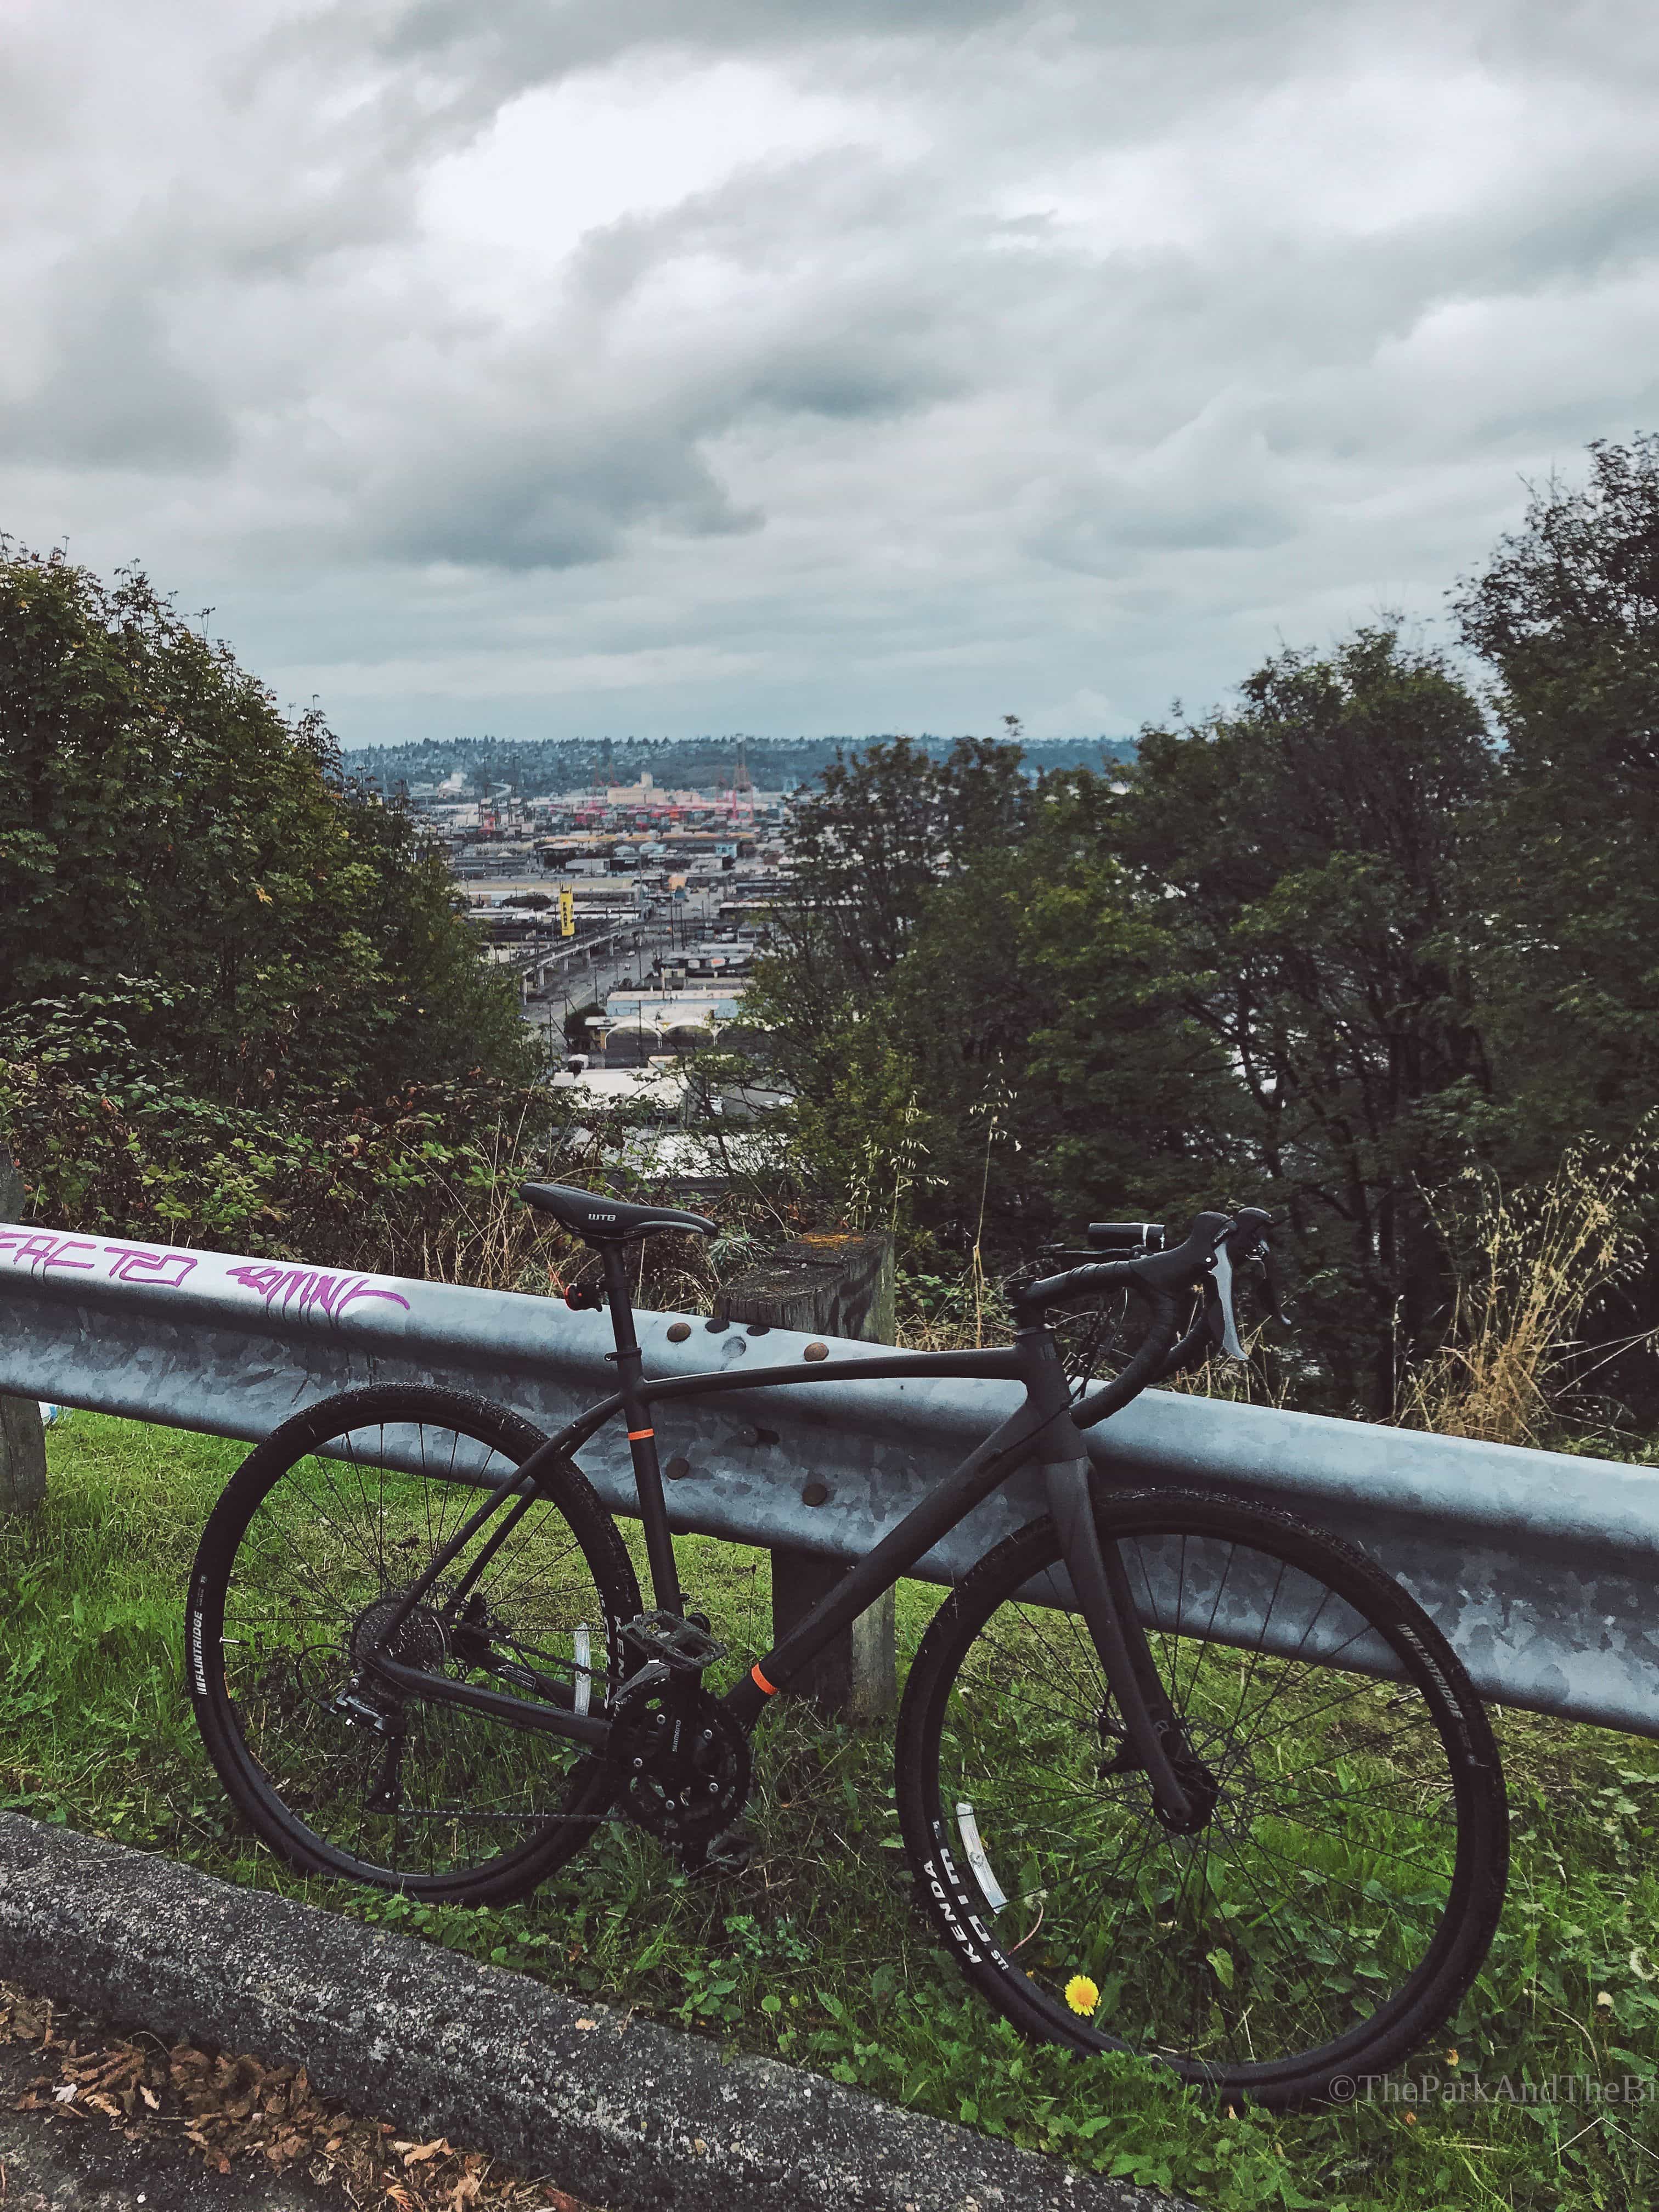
(682, 1761)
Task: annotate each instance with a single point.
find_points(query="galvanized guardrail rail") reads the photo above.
(1542, 1569)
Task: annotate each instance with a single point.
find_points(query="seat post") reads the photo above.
(641, 1435)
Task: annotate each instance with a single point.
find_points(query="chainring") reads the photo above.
(683, 1762)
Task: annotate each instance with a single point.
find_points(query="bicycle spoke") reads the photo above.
(405, 1787)
(1325, 1830)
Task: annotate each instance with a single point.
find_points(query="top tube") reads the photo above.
(994, 1363)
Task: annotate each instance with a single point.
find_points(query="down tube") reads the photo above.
(950, 1501)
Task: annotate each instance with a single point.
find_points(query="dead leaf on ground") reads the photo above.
(237, 2107)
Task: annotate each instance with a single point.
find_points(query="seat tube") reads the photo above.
(641, 1435)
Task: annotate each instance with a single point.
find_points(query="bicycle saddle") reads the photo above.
(599, 1218)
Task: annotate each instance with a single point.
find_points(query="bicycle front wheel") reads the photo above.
(1341, 1888)
(319, 1532)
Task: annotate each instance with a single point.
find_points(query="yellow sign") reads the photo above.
(566, 911)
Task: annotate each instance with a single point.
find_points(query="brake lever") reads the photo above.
(1219, 1305)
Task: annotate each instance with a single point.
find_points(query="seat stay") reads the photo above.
(449, 1553)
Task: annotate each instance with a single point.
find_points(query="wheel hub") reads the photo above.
(1195, 1777)
(420, 1641)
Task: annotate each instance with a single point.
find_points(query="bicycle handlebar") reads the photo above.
(1214, 1243)
(1183, 1268)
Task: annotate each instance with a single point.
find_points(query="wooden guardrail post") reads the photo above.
(22, 1439)
(830, 1286)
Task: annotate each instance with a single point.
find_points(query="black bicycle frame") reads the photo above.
(1042, 1427)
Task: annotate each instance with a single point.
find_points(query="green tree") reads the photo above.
(1241, 971)
(988, 1005)
(870, 847)
(160, 818)
(1038, 1021)
(1566, 615)
(881, 829)
(1313, 857)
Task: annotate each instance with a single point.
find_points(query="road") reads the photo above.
(579, 985)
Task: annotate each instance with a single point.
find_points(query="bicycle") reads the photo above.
(1177, 1775)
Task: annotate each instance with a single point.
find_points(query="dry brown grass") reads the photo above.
(1528, 1263)
(1239, 1386)
(975, 1316)
(490, 1240)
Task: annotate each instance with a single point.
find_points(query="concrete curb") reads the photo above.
(624, 2114)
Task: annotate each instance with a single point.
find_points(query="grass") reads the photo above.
(816, 1954)
(1529, 1265)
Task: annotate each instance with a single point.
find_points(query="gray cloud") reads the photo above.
(114, 390)
(676, 363)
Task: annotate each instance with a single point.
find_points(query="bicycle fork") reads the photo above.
(1152, 1728)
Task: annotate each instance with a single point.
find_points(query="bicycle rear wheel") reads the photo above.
(319, 1533)
(1338, 1898)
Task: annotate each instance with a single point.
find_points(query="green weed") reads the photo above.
(816, 1955)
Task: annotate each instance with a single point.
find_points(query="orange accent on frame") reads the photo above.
(761, 1682)
(634, 1435)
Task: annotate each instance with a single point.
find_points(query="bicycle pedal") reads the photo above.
(685, 1645)
(724, 1856)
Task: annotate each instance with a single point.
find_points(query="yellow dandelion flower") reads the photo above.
(1081, 1994)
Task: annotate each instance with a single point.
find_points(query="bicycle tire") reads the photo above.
(303, 1547)
(1246, 1958)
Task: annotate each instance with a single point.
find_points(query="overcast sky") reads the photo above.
(663, 365)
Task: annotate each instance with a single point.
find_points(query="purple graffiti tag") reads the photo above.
(310, 1287)
(132, 1263)
(362, 1288)
(45, 1248)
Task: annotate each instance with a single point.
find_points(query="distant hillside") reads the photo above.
(542, 767)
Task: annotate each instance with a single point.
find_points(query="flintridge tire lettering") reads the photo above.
(1409, 1636)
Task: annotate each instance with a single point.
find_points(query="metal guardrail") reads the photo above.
(1542, 1569)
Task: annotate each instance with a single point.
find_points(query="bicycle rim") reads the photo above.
(319, 1532)
(1338, 1898)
